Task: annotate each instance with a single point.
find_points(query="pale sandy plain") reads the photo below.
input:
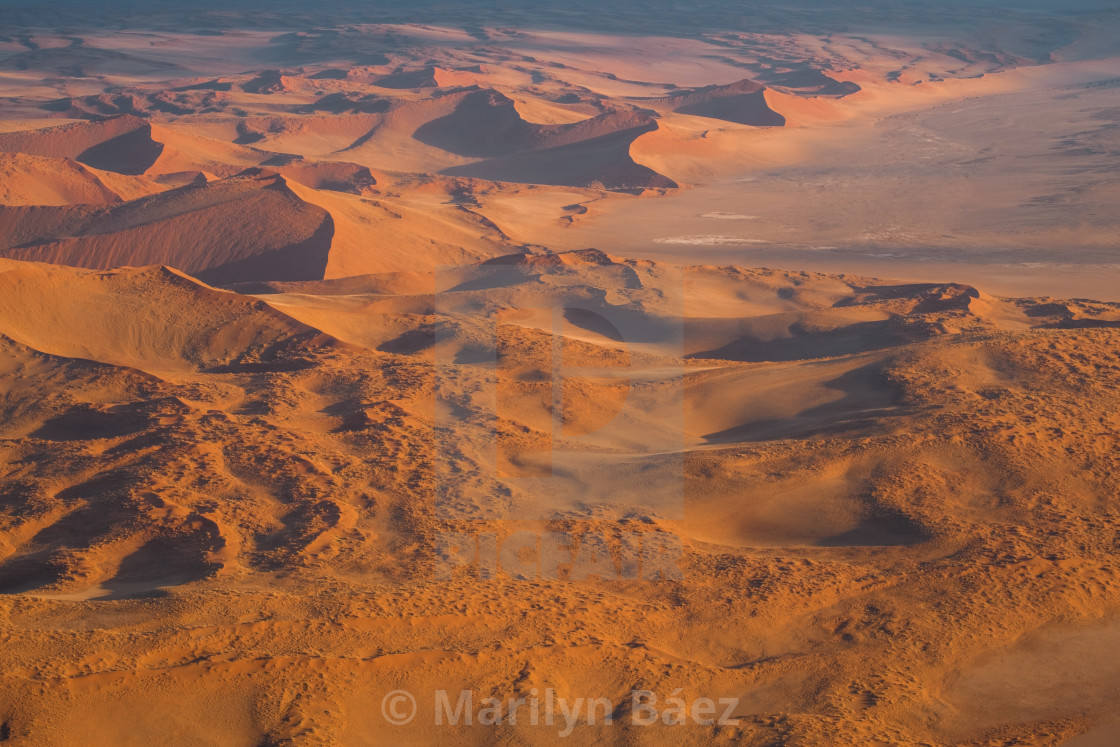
(283, 300)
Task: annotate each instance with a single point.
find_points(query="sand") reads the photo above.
(298, 474)
(314, 390)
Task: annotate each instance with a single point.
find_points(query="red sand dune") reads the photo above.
(743, 102)
(153, 318)
(891, 504)
(121, 144)
(335, 176)
(603, 162)
(268, 81)
(591, 152)
(242, 228)
(427, 77)
(35, 180)
(486, 123)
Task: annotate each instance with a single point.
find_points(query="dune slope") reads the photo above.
(242, 228)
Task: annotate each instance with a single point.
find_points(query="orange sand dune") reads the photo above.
(601, 163)
(268, 81)
(242, 228)
(486, 123)
(50, 309)
(231, 230)
(335, 176)
(583, 153)
(121, 144)
(184, 150)
(743, 103)
(314, 393)
(375, 235)
(873, 484)
(35, 180)
(312, 134)
(428, 77)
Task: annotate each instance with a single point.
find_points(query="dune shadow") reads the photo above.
(483, 124)
(879, 531)
(161, 562)
(593, 322)
(748, 109)
(411, 342)
(85, 423)
(29, 572)
(602, 162)
(131, 153)
(869, 400)
(861, 337)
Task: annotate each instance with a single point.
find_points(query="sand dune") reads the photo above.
(802, 462)
(335, 176)
(180, 101)
(275, 235)
(149, 318)
(807, 110)
(600, 163)
(34, 180)
(313, 390)
(487, 123)
(743, 102)
(121, 144)
(428, 77)
(188, 151)
(584, 153)
(268, 81)
(317, 134)
(377, 236)
(250, 225)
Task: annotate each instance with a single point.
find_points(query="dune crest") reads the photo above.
(35, 180)
(122, 144)
(743, 102)
(152, 318)
(279, 236)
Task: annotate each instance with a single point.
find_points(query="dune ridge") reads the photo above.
(35, 180)
(277, 233)
(743, 102)
(123, 144)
